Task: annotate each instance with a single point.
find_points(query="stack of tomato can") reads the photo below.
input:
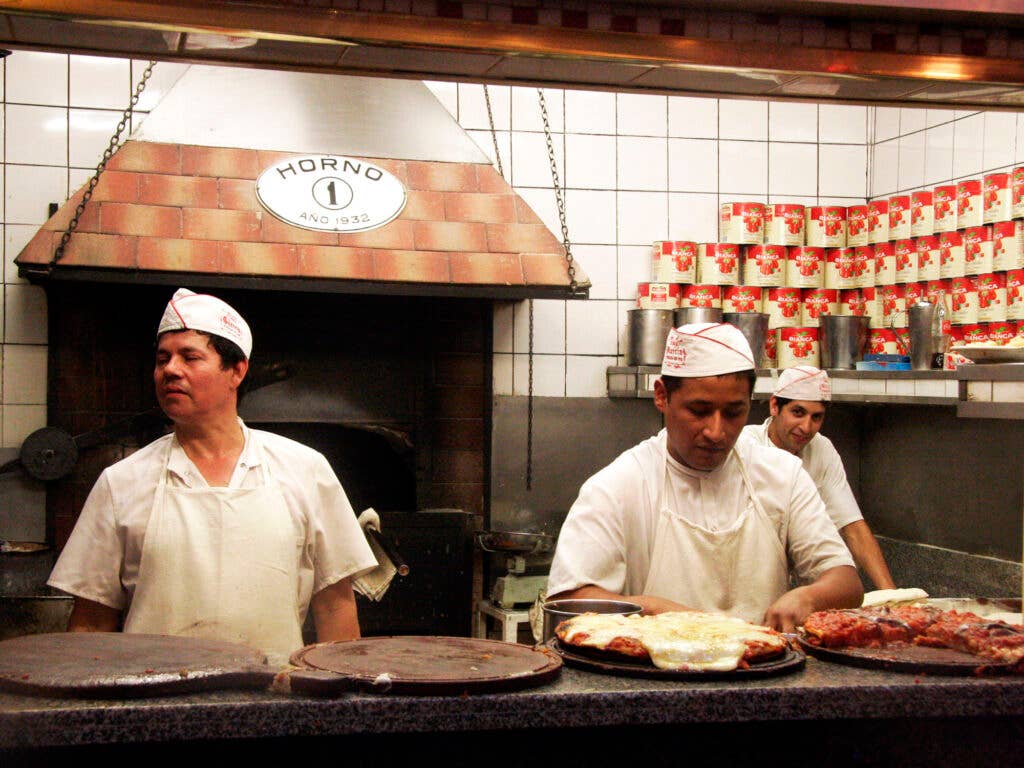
(798, 263)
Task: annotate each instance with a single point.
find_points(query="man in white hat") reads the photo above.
(797, 409)
(691, 518)
(215, 530)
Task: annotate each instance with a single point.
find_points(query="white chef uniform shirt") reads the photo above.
(822, 462)
(608, 536)
(101, 559)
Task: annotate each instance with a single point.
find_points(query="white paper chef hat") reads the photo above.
(706, 349)
(189, 311)
(804, 382)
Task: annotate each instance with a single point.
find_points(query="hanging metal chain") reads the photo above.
(494, 134)
(558, 192)
(112, 147)
(529, 409)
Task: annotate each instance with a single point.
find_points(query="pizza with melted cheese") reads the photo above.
(921, 625)
(683, 640)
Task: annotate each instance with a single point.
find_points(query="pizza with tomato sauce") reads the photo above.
(679, 640)
(920, 625)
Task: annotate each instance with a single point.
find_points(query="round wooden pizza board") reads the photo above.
(119, 665)
(598, 661)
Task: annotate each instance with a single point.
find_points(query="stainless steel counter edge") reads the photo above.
(578, 699)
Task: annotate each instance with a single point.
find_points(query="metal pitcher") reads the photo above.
(754, 326)
(927, 332)
(843, 340)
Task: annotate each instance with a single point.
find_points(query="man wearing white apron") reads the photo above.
(216, 530)
(692, 519)
(797, 409)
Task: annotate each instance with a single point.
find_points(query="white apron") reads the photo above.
(740, 570)
(221, 563)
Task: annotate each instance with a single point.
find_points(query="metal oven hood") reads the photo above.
(178, 203)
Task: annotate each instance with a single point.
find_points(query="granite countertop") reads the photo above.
(576, 699)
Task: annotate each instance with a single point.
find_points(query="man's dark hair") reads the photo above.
(672, 383)
(782, 402)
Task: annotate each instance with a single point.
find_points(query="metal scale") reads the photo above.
(517, 587)
(522, 583)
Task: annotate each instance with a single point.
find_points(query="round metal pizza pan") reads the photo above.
(598, 661)
(907, 657)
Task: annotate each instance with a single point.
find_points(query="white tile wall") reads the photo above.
(692, 118)
(938, 157)
(792, 121)
(792, 169)
(24, 374)
(642, 163)
(36, 135)
(842, 124)
(692, 165)
(968, 138)
(36, 78)
(641, 115)
(740, 119)
(635, 168)
(99, 82)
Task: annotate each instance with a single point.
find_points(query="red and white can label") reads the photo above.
(1017, 192)
(969, 207)
(885, 263)
(658, 295)
(872, 305)
(839, 268)
(944, 203)
(764, 265)
(956, 335)
(783, 307)
(674, 261)
(1007, 245)
(771, 348)
(1015, 294)
(906, 260)
(741, 298)
(991, 297)
(797, 346)
(974, 333)
(817, 302)
(856, 225)
(912, 293)
(978, 250)
(899, 217)
(741, 223)
(718, 263)
(996, 202)
(951, 255)
(805, 266)
(826, 226)
(878, 221)
(882, 341)
(922, 214)
(894, 305)
(933, 288)
(864, 266)
(964, 292)
(851, 302)
(705, 296)
(1002, 331)
(928, 257)
(784, 224)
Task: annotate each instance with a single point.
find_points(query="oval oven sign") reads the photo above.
(330, 193)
